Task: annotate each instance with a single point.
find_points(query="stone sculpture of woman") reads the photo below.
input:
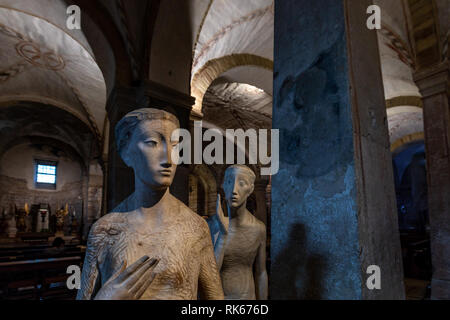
(151, 246)
(240, 239)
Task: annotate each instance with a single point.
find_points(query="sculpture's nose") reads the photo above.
(166, 164)
(235, 189)
(166, 160)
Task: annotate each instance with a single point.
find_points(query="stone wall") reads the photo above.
(14, 191)
(82, 193)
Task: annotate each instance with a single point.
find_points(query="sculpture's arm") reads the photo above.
(261, 282)
(90, 277)
(223, 221)
(219, 244)
(219, 249)
(210, 285)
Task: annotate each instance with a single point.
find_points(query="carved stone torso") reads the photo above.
(241, 249)
(177, 239)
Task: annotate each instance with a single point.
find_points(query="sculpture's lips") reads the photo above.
(166, 172)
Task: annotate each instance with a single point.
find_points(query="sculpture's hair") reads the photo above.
(126, 126)
(244, 169)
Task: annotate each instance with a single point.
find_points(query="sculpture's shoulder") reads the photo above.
(110, 224)
(193, 219)
(259, 226)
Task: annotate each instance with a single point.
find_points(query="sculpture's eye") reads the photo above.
(151, 142)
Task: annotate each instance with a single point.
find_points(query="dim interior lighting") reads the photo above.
(252, 89)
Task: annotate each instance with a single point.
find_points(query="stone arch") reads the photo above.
(214, 68)
(414, 137)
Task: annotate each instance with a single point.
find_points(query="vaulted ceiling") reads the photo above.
(233, 40)
(41, 61)
(221, 47)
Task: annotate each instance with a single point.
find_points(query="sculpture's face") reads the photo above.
(150, 153)
(237, 186)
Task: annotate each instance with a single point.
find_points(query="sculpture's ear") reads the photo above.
(251, 189)
(126, 156)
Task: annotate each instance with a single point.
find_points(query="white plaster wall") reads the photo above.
(18, 162)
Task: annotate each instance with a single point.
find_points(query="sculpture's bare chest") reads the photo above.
(176, 246)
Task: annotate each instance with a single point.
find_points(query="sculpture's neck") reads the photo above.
(145, 197)
(237, 215)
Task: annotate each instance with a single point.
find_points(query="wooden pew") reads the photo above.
(32, 252)
(37, 279)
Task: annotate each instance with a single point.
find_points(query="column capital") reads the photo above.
(434, 80)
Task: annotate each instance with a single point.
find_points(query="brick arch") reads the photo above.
(214, 68)
(414, 137)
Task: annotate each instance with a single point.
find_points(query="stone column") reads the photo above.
(147, 94)
(333, 200)
(260, 195)
(120, 178)
(434, 85)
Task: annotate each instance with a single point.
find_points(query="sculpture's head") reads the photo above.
(144, 141)
(238, 185)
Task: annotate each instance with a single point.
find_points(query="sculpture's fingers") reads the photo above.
(141, 286)
(145, 286)
(131, 269)
(137, 276)
(117, 274)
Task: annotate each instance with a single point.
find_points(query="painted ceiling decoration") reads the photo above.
(42, 62)
(203, 49)
(225, 53)
(394, 42)
(396, 50)
(232, 49)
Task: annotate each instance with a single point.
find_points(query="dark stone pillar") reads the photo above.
(123, 100)
(260, 195)
(434, 85)
(333, 201)
(120, 178)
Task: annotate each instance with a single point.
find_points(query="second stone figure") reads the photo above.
(239, 239)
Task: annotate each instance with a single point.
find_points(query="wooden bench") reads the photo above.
(39, 279)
